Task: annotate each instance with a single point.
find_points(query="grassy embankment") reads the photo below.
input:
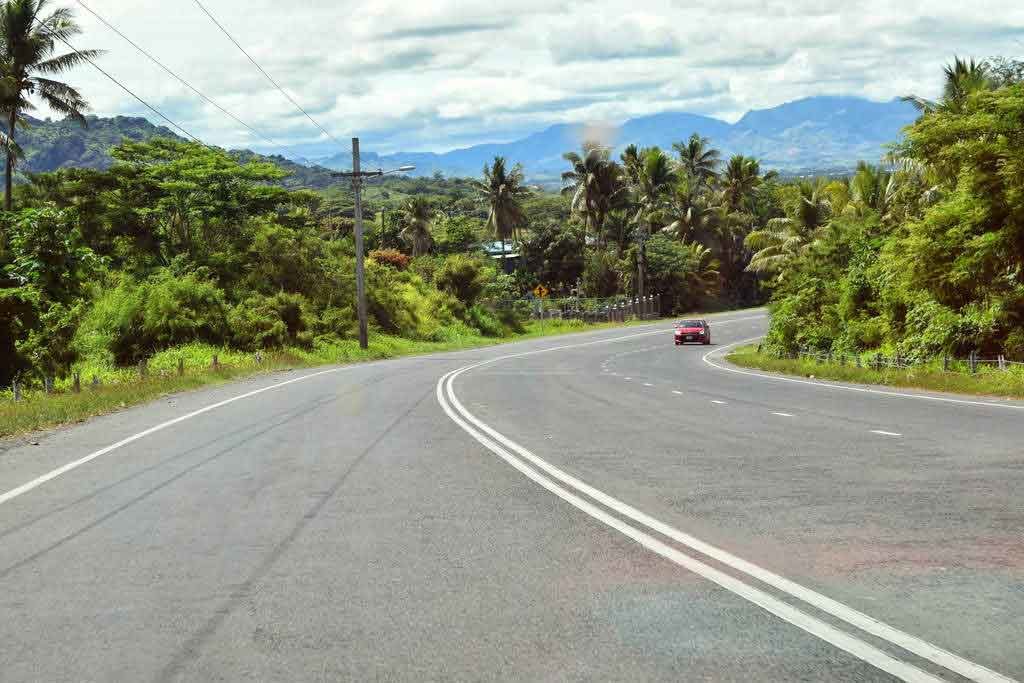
(988, 381)
(123, 387)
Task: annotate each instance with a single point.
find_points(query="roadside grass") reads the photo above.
(988, 381)
(122, 387)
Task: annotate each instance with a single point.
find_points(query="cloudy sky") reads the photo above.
(436, 74)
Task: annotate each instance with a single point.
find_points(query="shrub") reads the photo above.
(462, 276)
(265, 322)
(132, 321)
(391, 257)
(486, 321)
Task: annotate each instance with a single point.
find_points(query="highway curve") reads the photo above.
(597, 506)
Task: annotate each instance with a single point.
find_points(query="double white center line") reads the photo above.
(641, 528)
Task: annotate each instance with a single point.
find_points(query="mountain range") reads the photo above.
(813, 135)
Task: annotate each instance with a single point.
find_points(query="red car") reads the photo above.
(693, 331)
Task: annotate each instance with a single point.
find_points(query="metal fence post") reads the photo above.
(181, 367)
(76, 384)
(95, 382)
(945, 362)
(1002, 362)
(974, 361)
(16, 390)
(143, 369)
(215, 364)
(48, 384)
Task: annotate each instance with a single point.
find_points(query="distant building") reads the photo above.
(511, 254)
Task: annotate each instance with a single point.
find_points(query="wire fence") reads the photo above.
(590, 310)
(972, 364)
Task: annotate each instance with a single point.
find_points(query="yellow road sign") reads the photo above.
(540, 291)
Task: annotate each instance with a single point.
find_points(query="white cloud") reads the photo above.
(438, 73)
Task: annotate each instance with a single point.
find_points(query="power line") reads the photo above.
(268, 76)
(120, 84)
(179, 78)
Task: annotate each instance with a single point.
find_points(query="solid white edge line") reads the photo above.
(840, 639)
(877, 628)
(53, 474)
(843, 387)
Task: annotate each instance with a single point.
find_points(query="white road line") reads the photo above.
(53, 474)
(842, 387)
(844, 641)
(721, 403)
(908, 642)
(677, 392)
(628, 379)
(884, 433)
(648, 384)
(783, 414)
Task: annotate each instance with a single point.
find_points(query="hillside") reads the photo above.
(51, 145)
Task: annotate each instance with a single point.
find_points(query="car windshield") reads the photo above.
(690, 323)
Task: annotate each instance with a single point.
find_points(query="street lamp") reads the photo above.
(356, 175)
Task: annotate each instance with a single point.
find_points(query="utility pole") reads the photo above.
(357, 184)
(357, 176)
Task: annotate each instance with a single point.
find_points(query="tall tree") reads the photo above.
(808, 211)
(503, 189)
(418, 216)
(962, 79)
(655, 177)
(28, 36)
(595, 184)
(698, 158)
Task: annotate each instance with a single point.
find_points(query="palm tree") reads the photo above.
(871, 188)
(741, 178)
(594, 183)
(655, 175)
(502, 189)
(962, 79)
(705, 276)
(418, 215)
(27, 60)
(808, 211)
(630, 158)
(698, 158)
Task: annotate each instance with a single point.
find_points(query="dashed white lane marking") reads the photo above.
(721, 403)
(524, 461)
(648, 384)
(885, 433)
(783, 414)
(628, 379)
(677, 392)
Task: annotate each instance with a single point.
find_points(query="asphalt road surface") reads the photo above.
(602, 506)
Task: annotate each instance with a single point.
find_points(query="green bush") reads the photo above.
(485, 321)
(267, 322)
(462, 276)
(132, 321)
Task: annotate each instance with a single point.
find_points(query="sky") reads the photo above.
(432, 75)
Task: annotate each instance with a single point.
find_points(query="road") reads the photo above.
(597, 506)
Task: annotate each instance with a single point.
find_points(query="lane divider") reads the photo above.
(546, 475)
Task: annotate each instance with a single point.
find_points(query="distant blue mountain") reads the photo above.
(813, 134)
